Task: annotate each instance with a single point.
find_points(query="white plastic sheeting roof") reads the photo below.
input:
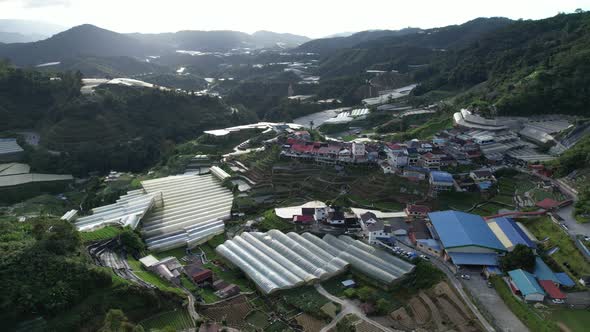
(193, 210)
(127, 211)
(290, 211)
(276, 261)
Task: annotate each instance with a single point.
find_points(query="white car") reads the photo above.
(466, 276)
(558, 301)
(424, 257)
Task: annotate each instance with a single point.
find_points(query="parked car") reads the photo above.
(586, 238)
(564, 227)
(557, 301)
(424, 257)
(490, 285)
(466, 276)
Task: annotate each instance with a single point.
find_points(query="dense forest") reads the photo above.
(45, 271)
(118, 127)
(528, 67)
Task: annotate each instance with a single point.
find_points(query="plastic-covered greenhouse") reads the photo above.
(276, 261)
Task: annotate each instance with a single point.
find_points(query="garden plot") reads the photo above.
(438, 309)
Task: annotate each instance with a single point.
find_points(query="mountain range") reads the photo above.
(90, 40)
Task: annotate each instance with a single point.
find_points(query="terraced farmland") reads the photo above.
(177, 319)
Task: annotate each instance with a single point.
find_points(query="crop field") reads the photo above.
(177, 319)
(233, 312)
(100, 234)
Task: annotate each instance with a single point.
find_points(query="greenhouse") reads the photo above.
(276, 261)
(193, 210)
(127, 211)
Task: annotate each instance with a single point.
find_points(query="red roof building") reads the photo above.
(198, 274)
(548, 204)
(303, 219)
(413, 210)
(552, 290)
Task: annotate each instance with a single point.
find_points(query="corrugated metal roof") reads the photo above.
(9, 145)
(459, 229)
(564, 279)
(525, 282)
(544, 272)
(464, 258)
(508, 232)
(441, 176)
(552, 290)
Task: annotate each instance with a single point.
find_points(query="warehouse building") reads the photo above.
(466, 238)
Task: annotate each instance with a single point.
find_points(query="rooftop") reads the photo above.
(439, 176)
(525, 282)
(459, 229)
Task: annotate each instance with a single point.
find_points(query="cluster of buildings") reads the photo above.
(330, 152)
(470, 240)
(170, 268)
(511, 138)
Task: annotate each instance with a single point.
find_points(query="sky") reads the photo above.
(313, 18)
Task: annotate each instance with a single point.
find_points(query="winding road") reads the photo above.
(348, 307)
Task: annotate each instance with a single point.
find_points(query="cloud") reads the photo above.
(38, 3)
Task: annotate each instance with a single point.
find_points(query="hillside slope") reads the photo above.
(528, 67)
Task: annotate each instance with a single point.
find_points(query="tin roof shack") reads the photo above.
(168, 268)
(198, 274)
(524, 284)
(228, 291)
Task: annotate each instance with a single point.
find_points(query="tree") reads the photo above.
(131, 240)
(366, 294)
(350, 293)
(521, 257)
(116, 321)
(383, 306)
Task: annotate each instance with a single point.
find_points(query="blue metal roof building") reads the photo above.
(544, 272)
(438, 176)
(509, 233)
(564, 279)
(527, 285)
(459, 229)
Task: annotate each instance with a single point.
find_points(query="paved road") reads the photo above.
(573, 226)
(348, 307)
(191, 305)
(504, 319)
(459, 287)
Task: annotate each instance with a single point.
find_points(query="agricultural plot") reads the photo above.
(309, 323)
(233, 312)
(108, 232)
(438, 309)
(177, 319)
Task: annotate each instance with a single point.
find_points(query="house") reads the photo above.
(441, 181)
(374, 229)
(430, 246)
(466, 238)
(168, 268)
(552, 290)
(430, 160)
(415, 211)
(415, 173)
(228, 291)
(482, 175)
(198, 274)
(524, 284)
(305, 219)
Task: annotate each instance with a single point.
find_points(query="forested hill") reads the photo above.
(325, 46)
(121, 128)
(528, 67)
(400, 52)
